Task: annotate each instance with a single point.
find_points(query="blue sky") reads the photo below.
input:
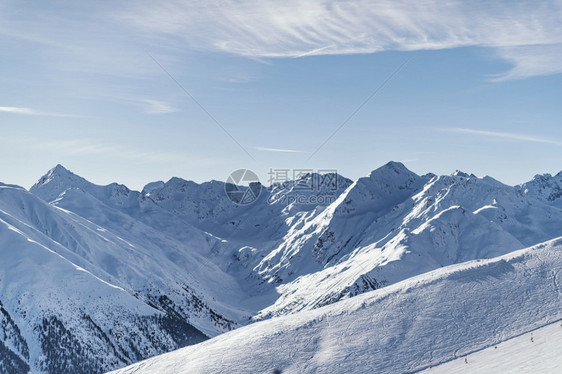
(478, 88)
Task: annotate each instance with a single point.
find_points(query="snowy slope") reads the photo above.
(156, 256)
(538, 351)
(57, 316)
(409, 326)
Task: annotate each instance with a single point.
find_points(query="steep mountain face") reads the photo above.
(545, 188)
(412, 325)
(148, 251)
(394, 225)
(151, 187)
(322, 240)
(56, 316)
(185, 251)
(207, 206)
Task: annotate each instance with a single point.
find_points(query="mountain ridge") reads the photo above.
(190, 255)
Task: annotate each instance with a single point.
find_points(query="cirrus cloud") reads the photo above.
(504, 136)
(33, 112)
(267, 28)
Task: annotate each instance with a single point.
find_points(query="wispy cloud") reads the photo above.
(529, 61)
(158, 107)
(147, 105)
(317, 51)
(268, 28)
(32, 112)
(266, 149)
(81, 147)
(506, 136)
(17, 110)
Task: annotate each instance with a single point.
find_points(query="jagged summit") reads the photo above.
(58, 171)
(59, 180)
(385, 186)
(391, 167)
(459, 173)
(56, 181)
(149, 187)
(545, 188)
(178, 181)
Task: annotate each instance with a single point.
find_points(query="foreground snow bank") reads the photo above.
(410, 326)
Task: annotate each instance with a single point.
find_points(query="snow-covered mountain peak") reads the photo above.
(493, 181)
(392, 177)
(545, 188)
(381, 190)
(148, 188)
(53, 186)
(58, 171)
(390, 168)
(459, 173)
(55, 182)
(176, 182)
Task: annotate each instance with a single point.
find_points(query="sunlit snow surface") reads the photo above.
(412, 325)
(539, 351)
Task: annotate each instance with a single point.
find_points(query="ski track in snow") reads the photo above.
(519, 354)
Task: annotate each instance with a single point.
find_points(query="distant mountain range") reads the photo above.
(94, 278)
